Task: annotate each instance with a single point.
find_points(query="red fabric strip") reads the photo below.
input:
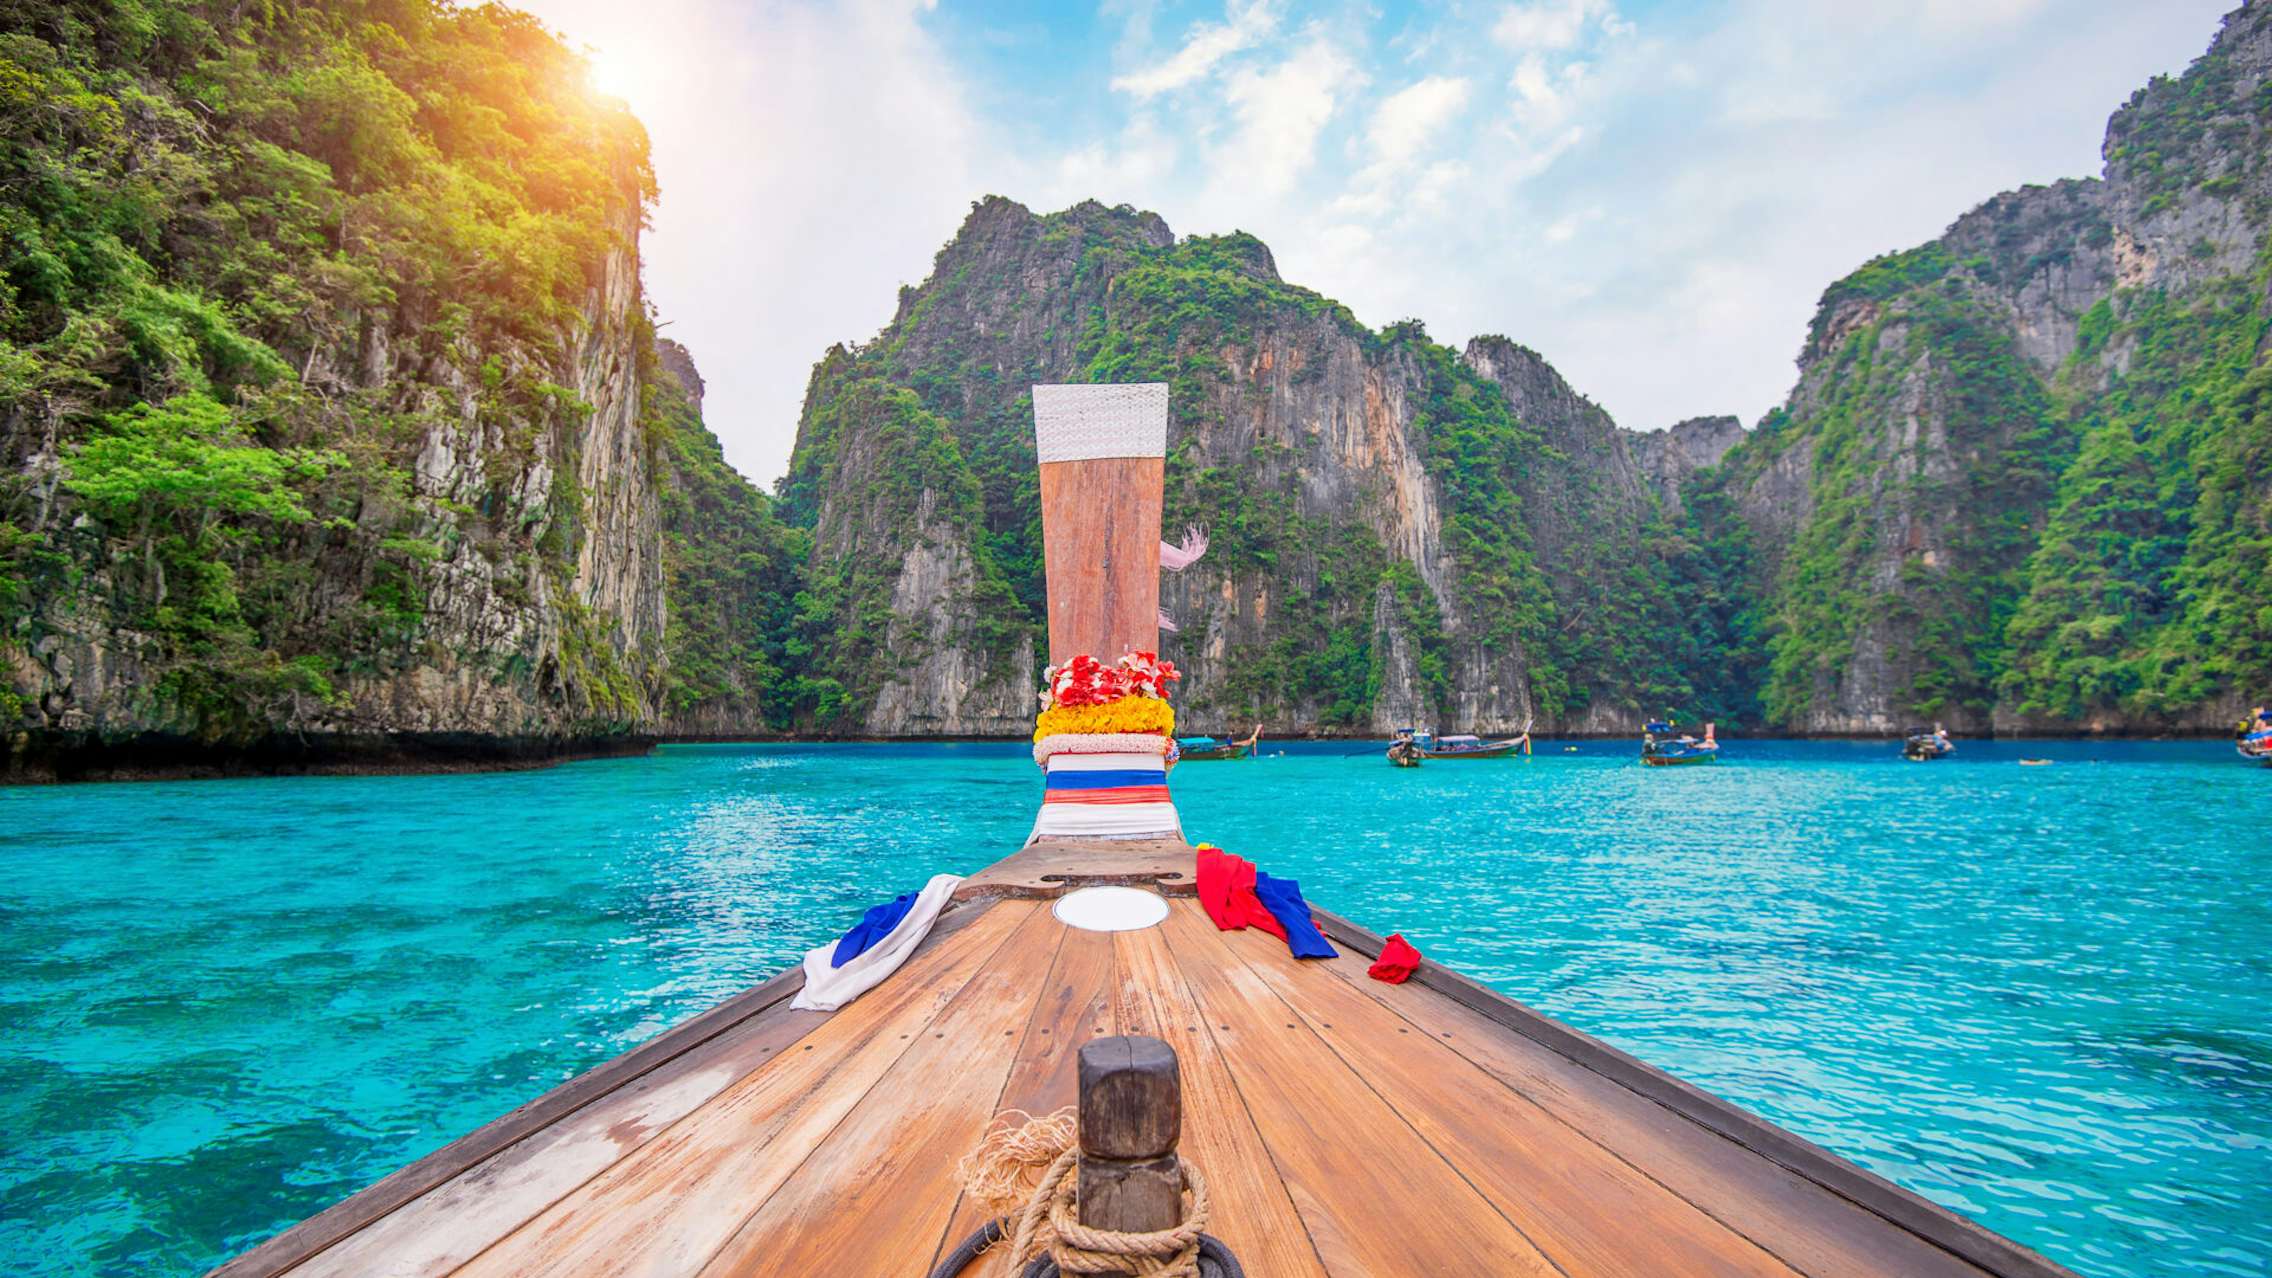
(1398, 961)
(1226, 892)
(1114, 794)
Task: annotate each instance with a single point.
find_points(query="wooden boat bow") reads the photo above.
(1346, 1126)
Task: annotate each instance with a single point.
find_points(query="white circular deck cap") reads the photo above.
(1110, 909)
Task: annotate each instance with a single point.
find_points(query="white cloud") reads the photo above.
(810, 162)
(1565, 228)
(1431, 191)
(1546, 115)
(1543, 116)
(1541, 95)
(1554, 25)
(1409, 119)
(1141, 159)
(1405, 128)
(1656, 209)
(1937, 17)
(1280, 112)
(1204, 46)
(1345, 239)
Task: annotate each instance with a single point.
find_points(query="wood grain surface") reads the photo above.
(1344, 1127)
(1100, 528)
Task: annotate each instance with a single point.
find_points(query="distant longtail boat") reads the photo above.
(2254, 739)
(1203, 749)
(1661, 749)
(1412, 746)
(1924, 747)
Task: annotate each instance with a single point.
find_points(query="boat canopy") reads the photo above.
(1657, 725)
(1198, 741)
(1459, 740)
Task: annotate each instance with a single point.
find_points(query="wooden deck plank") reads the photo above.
(510, 1168)
(668, 1207)
(451, 1224)
(374, 1203)
(1818, 1232)
(1906, 1210)
(1075, 1005)
(1588, 1210)
(1347, 1127)
(1252, 1212)
(874, 1195)
(1375, 1196)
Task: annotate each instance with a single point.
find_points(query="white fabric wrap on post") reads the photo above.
(1122, 820)
(828, 988)
(1075, 423)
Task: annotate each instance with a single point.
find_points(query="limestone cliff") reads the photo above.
(1669, 458)
(2020, 482)
(329, 471)
(327, 445)
(1401, 533)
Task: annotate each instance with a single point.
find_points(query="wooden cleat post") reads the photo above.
(1131, 1116)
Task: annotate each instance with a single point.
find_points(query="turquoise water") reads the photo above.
(2038, 995)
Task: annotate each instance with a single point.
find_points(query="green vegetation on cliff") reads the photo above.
(2034, 451)
(734, 572)
(2149, 593)
(1280, 402)
(1950, 519)
(250, 256)
(900, 472)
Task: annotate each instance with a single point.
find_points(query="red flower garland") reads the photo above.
(1086, 681)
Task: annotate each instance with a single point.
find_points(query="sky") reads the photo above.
(1652, 195)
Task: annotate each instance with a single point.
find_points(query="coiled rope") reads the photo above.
(1022, 1174)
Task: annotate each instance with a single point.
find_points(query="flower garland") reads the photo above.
(1088, 697)
(1086, 681)
(1148, 715)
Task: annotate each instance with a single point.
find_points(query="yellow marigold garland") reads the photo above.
(1128, 714)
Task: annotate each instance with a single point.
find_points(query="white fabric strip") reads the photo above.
(1073, 423)
(828, 988)
(1051, 746)
(1104, 763)
(1106, 821)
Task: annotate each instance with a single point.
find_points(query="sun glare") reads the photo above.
(616, 74)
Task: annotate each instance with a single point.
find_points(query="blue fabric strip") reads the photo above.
(1283, 898)
(873, 926)
(1106, 780)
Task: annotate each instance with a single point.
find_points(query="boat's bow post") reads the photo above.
(1131, 1116)
(1103, 456)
